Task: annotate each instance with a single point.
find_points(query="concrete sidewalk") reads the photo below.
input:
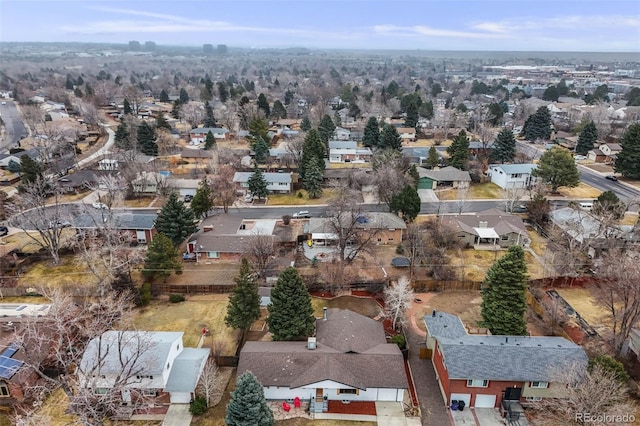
(177, 415)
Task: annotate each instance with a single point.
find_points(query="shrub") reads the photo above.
(176, 298)
(610, 365)
(198, 406)
(400, 249)
(399, 340)
(300, 194)
(145, 293)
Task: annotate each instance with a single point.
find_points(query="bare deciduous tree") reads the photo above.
(208, 386)
(390, 180)
(260, 252)
(398, 299)
(512, 196)
(224, 190)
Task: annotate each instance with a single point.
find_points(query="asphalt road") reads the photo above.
(13, 125)
(598, 181)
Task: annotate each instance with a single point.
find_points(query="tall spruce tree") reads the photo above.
(248, 406)
(183, 97)
(628, 160)
(504, 300)
(263, 105)
(202, 201)
(122, 139)
(313, 178)
(258, 129)
(161, 121)
(305, 125)
(261, 151)
(147, 139)
(209, 119)
(162, 258)
(371, 134)
(312, 147)
(126, 107)
(209, 141)
(407, 202)
(258, 184)
(504, 147)
(326, 127)
(557, 168)
(390, 138)
(587, 138)
(175, 220)
(290, 311)
(164, 96)
(538, 125)
(244, 303)
(433, 159)
(459, 151)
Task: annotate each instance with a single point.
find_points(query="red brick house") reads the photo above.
(483, 370)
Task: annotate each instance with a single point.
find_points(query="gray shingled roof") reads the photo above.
(502, 222)
(205, 130)
(446, 174)
(94, 218)
(269, 177)
(292, 364)
(509, 358)
(515, 168)
(343, 144)
(186, 370)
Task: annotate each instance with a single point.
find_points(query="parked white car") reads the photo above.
(98, 205)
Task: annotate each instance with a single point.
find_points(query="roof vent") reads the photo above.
(311, 343)
(433, 313)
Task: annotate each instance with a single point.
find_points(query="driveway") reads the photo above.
(177, 415)
(427, 195)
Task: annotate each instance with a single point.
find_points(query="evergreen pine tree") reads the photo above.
(504, 147)
(557, 168)
(202, 201)
(121, 137)
(263, 105)
(147, 139)
(175, 220)
(162, 258)
(628, 160)
(326, 129)
(411, 120)
(312, 148)
(261, 151)
(587, 138)
(407, 202)
(175, 110)
(209, 141)
(278, 110)
(127, 107)
(258, 184)
(390, 138)
(305, 125)
(183, 96)
(290, 311)
(248, 406)
(161, 122)
(313, 178)
(258, 129)
(371, 134)
(459, 154)
(433, 159)
(504, 299)
(244, 303)
(30, 170)
(164, 96)
(209, 119)
(538, 125)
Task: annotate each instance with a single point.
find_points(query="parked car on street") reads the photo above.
(3, 231)
(302, 214)
(611, 177)
(59, 224)
(98, 205)
(188, 198)
(521, 208)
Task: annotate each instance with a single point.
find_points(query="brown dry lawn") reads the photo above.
(465, 304)
(538, 242)
(581, 191)
(630, 218)
(477, 191)
(70, 273)
(475, 263)
(364, 306)
(295, 200)
(25, 242)
(582, 300)
(190, 316)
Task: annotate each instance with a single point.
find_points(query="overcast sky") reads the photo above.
(559, 25)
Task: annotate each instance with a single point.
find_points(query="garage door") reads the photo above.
(485, 401)
(466, 397)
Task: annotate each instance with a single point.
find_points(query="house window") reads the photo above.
(477, 383)
(539, 385)
(213, 254)
(149, 392)
(534, 398)
(100, 391)
(347, 391)
(4, 390)
(516, 176)
(504, 237)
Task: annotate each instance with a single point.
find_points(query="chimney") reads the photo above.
(433, 313)
(506, 340)
(311, 343)
(324, 314)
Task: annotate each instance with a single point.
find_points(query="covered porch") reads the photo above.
(486, 239)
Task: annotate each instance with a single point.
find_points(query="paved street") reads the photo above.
(14, 128)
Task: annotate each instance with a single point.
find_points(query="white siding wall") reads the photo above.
(273, 392)
(180, 397)
(176, 347)
(371, 394)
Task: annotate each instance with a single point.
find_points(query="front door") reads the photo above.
(319, 394)
(512, 394)
(126, 395)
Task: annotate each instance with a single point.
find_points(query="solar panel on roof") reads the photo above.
(9, 367)
(9, 351)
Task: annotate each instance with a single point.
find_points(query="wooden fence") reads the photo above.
(192, 289)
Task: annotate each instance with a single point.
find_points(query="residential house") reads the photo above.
(512, 175)
(488, 230)
(407, 134)
(596, 155)
(80, 181)
(226, 238)
(344, 175)
(611, 151)
(17, 378)
(278, 183)
(140, 226)
(483, 370)
(199, 135)
(348, 359)
(382, 227)
(184, 186)
(16, 157)
(113, 161)
(157, 361)
(149, 183)
(348, 152)
(418, 154)
(342, 134)
(202, 156)
(445, 177)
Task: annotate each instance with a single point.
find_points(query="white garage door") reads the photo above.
(485, 401)
(387, 394)
(180, 397)
(466, 397)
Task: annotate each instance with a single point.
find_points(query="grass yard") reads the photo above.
(53, 410)
(582, 300)
(538, 242)
(475, 263)
(581, 191)
(25, 243)
(630, 218)
(477, 191)
(465, 304)
(138, 202)
(190, 317)
(349, 165)
(294, 200)
(70, 273)
(364, 306)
